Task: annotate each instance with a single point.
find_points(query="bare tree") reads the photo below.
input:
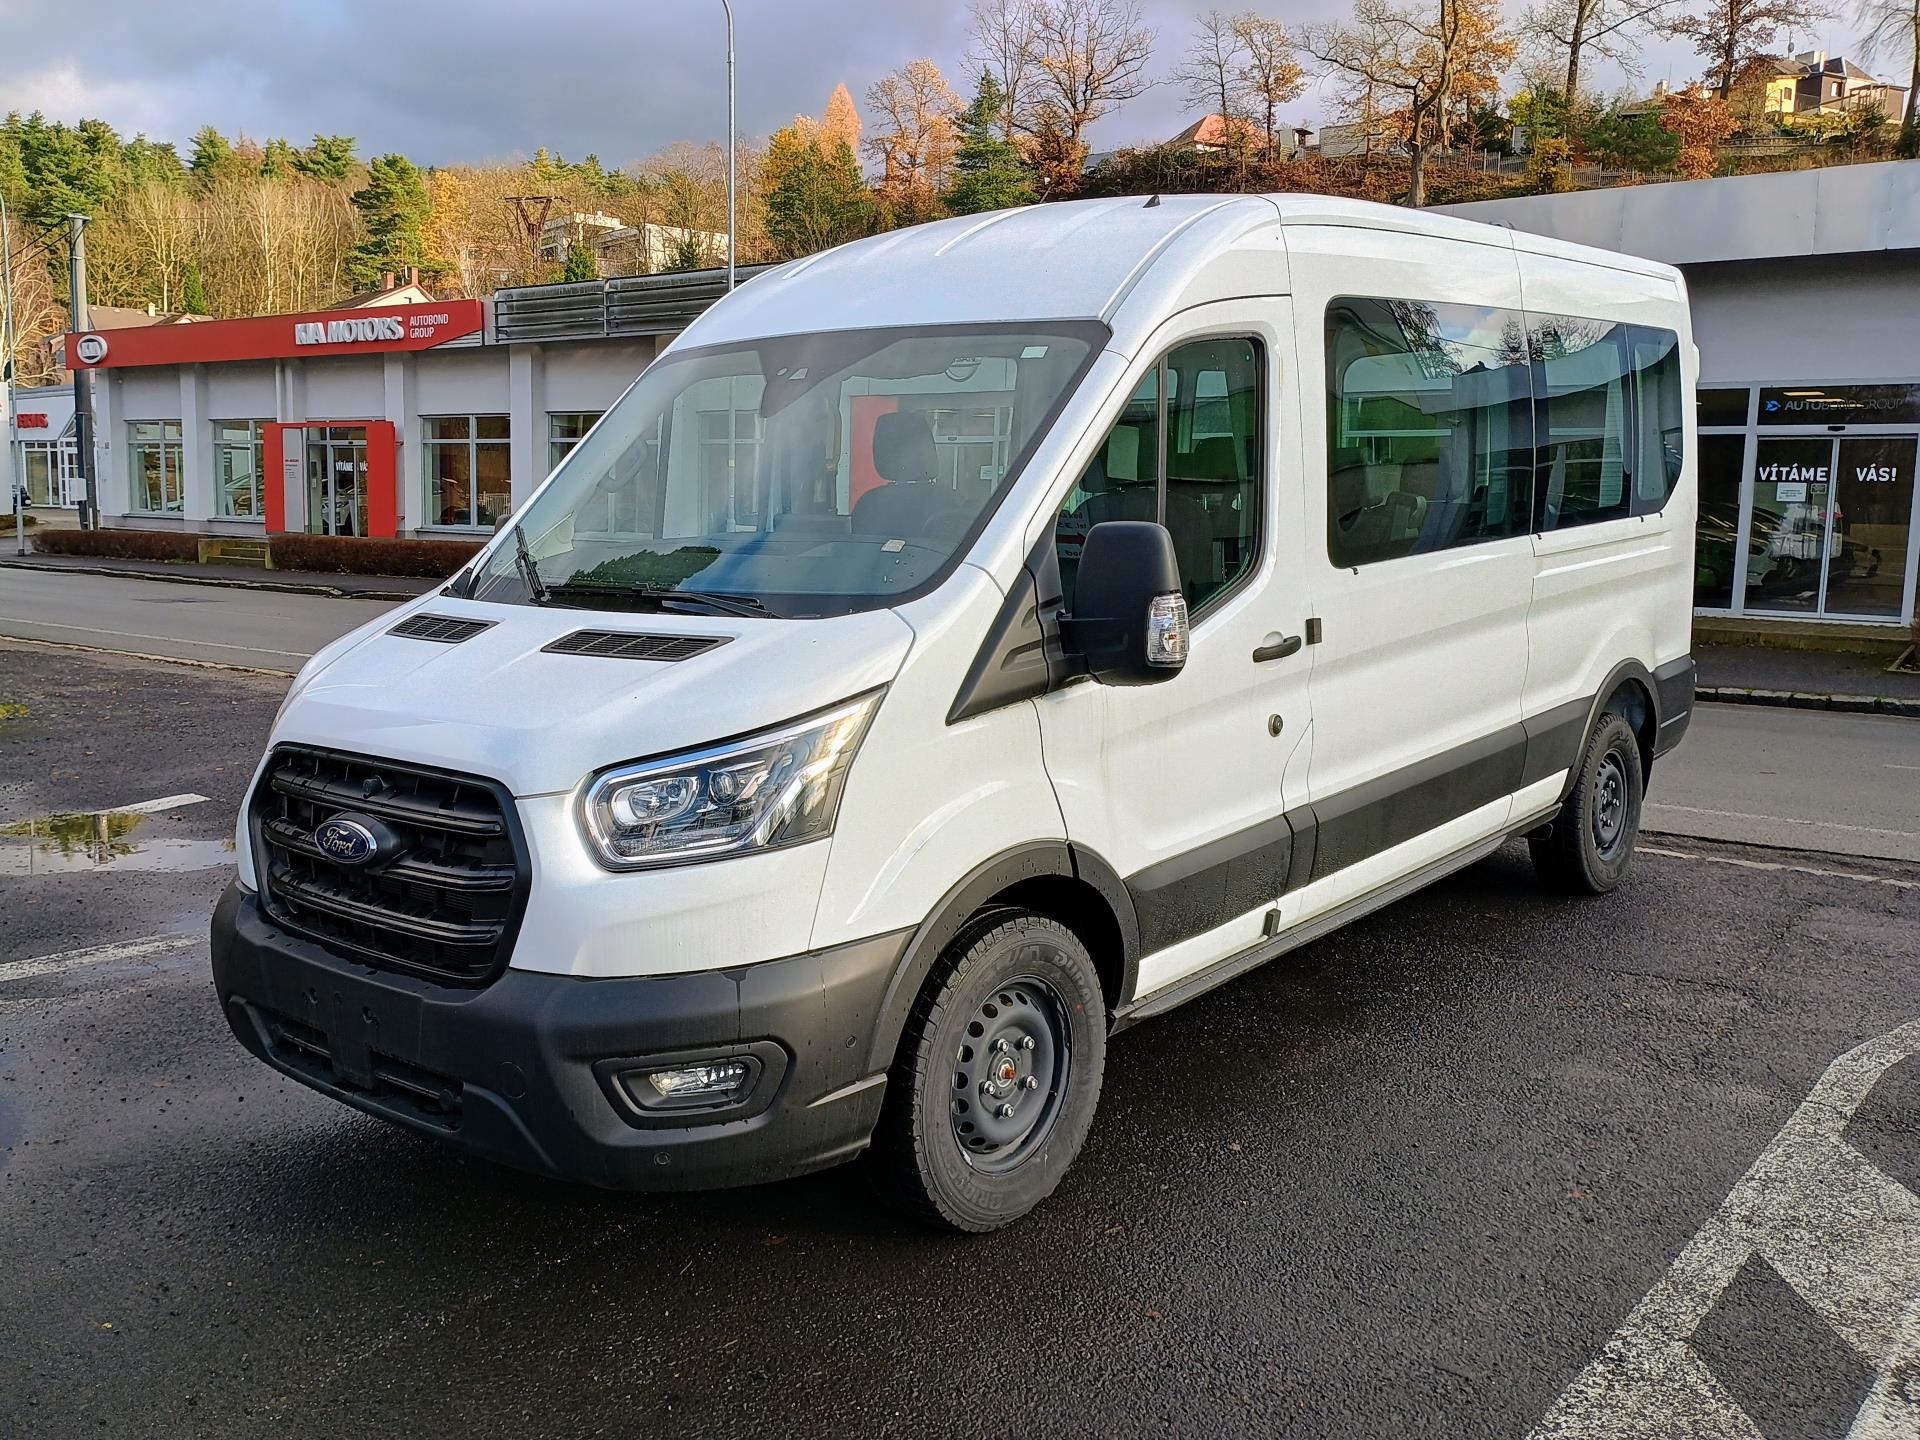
(914, 135)
(1211, 73)
(1422, 66)
(1889, 28)
(1729, 34)
(1089, 55)
(1272, 75)
(1567, 30)
(1004, 47)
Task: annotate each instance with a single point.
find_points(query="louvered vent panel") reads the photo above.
(625, 645)
(446, 629)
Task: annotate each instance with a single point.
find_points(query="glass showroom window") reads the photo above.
(155, 448)
(566, 430)
(236, 468)
(469, 470)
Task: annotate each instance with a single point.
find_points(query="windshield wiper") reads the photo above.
(713, 599)
(660, 596)
(529, 568)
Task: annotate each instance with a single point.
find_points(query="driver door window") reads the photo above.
(1191, 461)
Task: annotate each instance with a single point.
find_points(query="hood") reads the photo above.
(500, 704)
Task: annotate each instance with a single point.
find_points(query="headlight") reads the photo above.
(780, 787)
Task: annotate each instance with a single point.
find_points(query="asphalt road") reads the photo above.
(258, 629)
(1411, 1180)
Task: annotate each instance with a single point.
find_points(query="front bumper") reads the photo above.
(515, 1071)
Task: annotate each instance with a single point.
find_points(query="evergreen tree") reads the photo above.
(193, 293)
(989, 172)
(580, 263)
(329, 158)
(276, 161)
(816, 197)
(394, 208)
(212, 154)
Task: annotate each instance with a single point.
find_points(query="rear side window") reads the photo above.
(1610, 432)
(1429, 427)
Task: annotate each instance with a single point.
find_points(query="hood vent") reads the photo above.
(446, 629)
(625, 645)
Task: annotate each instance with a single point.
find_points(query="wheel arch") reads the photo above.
(1629, 689)
(1064, 882)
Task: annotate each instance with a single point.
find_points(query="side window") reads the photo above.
(1202, 480)
(1429, 427)
(1586, 461)
(1662, 425)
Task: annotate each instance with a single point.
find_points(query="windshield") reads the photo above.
(802, 475)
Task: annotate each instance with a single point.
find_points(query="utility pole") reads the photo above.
(16, 484)
(83, 378)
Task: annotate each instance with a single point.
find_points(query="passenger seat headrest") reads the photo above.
(903, 447)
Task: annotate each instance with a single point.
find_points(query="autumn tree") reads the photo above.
(1004, 49)
(1211, 74)
(1567, 31)
(1272, 74)
(989, 170)
(1089, 56)
(393, 207)
(840, 125)
(914, 138)
(815, 196)
(1889, 29)
(1699, 122)
(1424, 67)
(1729, 34)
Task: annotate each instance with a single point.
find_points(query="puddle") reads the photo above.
(102, 840)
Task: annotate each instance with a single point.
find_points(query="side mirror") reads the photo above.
(1129, 621)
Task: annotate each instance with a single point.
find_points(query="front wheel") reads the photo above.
(998, 1074)
(1590, 845)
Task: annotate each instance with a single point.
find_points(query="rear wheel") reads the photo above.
(998, 1074)
(1591, 843)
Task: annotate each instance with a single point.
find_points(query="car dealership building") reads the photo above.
(1806, 308)
(435, 419)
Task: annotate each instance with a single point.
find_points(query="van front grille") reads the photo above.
(441, 891)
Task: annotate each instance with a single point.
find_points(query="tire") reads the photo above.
(1590, 847)
(1011, 1019)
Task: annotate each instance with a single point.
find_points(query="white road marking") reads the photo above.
(1781, 820)
(1845, 1236)
(95, 955)
(165, 802)
(166, 639)
(1776, 865)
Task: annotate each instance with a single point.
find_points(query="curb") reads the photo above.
(1811, 700)
(284, 587)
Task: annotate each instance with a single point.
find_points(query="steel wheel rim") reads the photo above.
(1610, 803)
(1010, 1073)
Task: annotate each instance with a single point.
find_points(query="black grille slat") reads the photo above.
(626, 645)
(444, 901)
(445, 629)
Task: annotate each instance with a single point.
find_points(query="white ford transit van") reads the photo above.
(960, 645)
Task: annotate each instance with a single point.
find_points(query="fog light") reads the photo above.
(721, 1080)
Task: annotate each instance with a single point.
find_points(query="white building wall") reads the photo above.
(1820, 321)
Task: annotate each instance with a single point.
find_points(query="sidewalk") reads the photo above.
(242, 577)
(1804, 679)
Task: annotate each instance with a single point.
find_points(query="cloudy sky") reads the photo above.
(450, 81)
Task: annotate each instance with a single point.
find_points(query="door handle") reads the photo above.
(1285, 646)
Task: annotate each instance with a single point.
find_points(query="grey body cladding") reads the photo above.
(1189, 894)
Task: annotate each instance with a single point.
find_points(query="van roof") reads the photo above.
(1067, 260)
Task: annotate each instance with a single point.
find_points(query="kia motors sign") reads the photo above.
(272, 337)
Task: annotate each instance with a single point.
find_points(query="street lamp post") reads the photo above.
(15, 484)
(727, 5)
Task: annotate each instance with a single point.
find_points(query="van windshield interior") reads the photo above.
(800, 475)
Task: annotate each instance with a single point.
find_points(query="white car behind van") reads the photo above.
(964, 643)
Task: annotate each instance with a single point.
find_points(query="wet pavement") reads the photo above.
(1414, 1179)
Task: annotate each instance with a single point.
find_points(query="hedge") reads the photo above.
(120, 544)
(329, 554)
(346, 555)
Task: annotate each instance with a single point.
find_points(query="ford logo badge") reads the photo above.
(346, 841)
